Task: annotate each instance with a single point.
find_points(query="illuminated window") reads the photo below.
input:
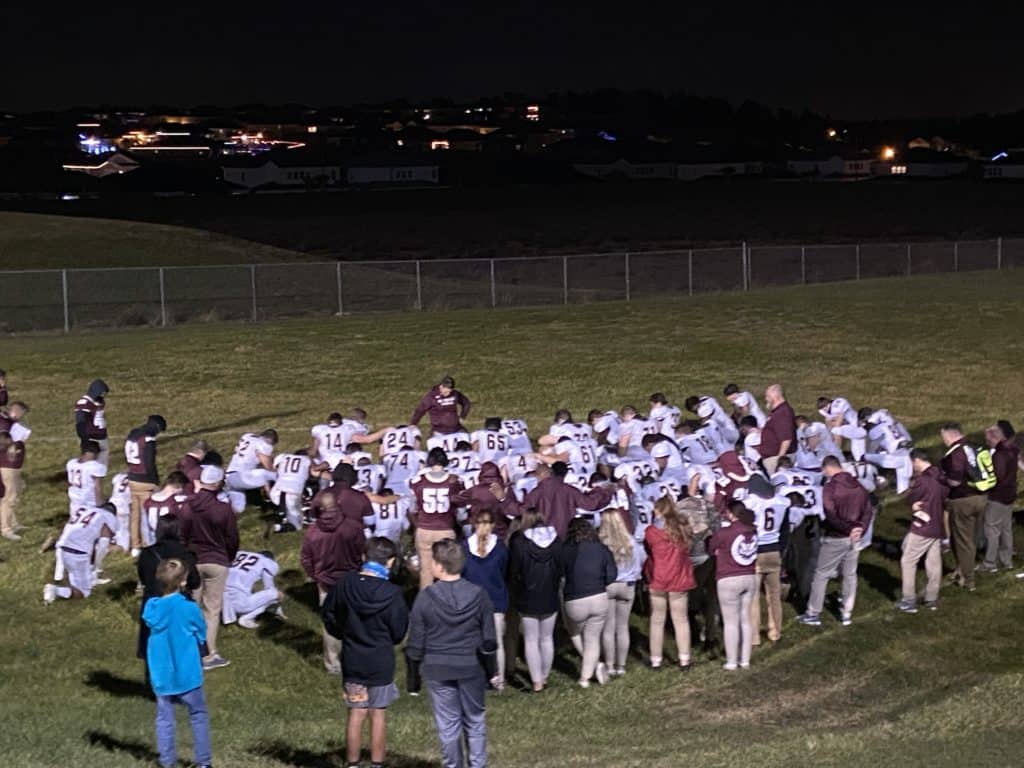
(898, 170)
(439, 144)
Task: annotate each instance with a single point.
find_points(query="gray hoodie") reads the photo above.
(451, 631)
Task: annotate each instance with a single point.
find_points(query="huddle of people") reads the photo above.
(698, 519)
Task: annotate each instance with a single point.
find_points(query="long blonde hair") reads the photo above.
(614, 535)
(677, 526)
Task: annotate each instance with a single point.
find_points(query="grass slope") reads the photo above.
(931, 690)
(39, 241)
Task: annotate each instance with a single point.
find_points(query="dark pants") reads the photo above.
(459, 711)
(703, 603)
(800, 559)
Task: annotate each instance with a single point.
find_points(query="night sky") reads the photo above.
(839, 58)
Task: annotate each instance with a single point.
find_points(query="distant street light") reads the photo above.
(888, 153)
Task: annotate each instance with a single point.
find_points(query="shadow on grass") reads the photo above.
(304, 642)
(121, 591)
(305, 594)
(122, 687)
(880, 579)
(239, 423)
(305, 758)
(136, 749)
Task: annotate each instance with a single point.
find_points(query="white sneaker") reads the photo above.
(136, 553)
(12, 536)
(248, 623)
(847, 619)
(602, 673)
(97, 578)
(729, 667)
(279, 612)
(49, 593)
(1020, 575)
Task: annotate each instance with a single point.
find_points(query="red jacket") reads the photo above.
(668, 567)
(332, 547)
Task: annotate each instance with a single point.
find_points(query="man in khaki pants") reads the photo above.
(143, 478)
(966, 505)
(769, 517)
(209, 528)
(927, 498)
(12, 456)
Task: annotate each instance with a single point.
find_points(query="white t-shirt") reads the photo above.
(81, 483)
(84, 528)
(292, 473)
(246, 456)
(518, 434)
(491, 444)
(248, 568)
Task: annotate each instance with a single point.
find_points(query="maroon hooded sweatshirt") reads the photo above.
(847, 506)
(479, 498)
(209, 527)
(332, 547)
(558, 502)
(446, 412)
(929, 487)
(352, 504)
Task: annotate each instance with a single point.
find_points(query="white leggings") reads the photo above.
(585, 617)
(539, 645)
(735, 594)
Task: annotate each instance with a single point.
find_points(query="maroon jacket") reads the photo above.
(351, 503)
(930, 488)
(446, 413)
(558, 502)
(190, 467)
(1004, 460)
(954, 467)
(13, 457)
(479, 498)
(210, 529)
(734, 548)
(847, 506)
(333, 547)
(781, 426)
(435, 502)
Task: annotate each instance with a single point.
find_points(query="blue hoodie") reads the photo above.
(176, 630)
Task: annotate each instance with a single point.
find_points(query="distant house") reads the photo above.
(814, 164)
(702, 169)
(628, 169)
(858, 167)
(928, 163)
(1005, 166)
(398, 168)
(289, 169)
(99, 166)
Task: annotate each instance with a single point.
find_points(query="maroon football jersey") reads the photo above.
(434, 510)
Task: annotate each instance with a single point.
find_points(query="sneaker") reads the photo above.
(602, 673)
(98, 579)
(279, 612)
(619, 672)
(49, 593)
(215, 662)
(729, 667)
(846, 620)
(248, 623)
(745, 666)
(810, 619)
(1020, 575)
(906, 606)
(584, 683)
(654, 663)
(135, 553)
(932, 605)
(987, 569)
(12, 536)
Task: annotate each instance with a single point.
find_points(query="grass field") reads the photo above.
(934, 690)
(40, 241)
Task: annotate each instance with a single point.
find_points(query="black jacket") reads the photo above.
(451, 632)
(589, 568)
(534, 572)
(369, 616)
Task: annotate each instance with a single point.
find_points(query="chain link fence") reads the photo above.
(46, 300)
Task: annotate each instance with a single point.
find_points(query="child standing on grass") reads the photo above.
(177, 630)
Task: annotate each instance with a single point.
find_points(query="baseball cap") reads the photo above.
(211, 475)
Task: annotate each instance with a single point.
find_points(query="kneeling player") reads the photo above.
(88, 531)
(239, 600)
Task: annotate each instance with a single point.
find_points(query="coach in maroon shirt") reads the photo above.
(556, 501)
(349, 502)
(209, 528)
(778, 435)
(446, 407)
(333, 546)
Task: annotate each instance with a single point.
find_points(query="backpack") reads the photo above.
(981, 472)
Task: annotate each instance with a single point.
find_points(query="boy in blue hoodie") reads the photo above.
(177, 629)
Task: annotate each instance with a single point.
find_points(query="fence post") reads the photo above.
(910, 268)
(956, 255)
(494, 288)
(743, 265)
(858, 262)
(252, 279)
(565, 279)
(803, 265)
(999, 253)
(163, 301)
(419, 287)
(64, 291)
(341, 305)
(627, 277)
(689, 269)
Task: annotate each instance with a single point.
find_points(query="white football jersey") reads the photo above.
(887, 437)
(402, 467)
(121, 495)
(250, 447)
(580, 433)
(463, 461)
(370, 477)
(81, 483)
(643, 504)
(447, 442)
(523, 486)
(389, 520)
(19, 432)
(249, 568)
(636, 428)
(635, 472)
(840, 408)
(748, 401)
(491, 444)
(397, 438)
(668, 450)
(768, 516)
(330, 440)
(518, 465)
(518, 434)
(667, 418)
(292, 473)
(866, 474)
(578, 480)
(710, 477)
(812, 496)
(610, 422)
(799, 477)
(84, 528)
(469, 478)
(752, 445)
(698, 448)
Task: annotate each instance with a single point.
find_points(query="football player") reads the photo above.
(83, 545)
(240, 602)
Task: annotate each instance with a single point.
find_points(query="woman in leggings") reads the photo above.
(629, 559)
(669, 575)
(535, 571)
(734, 548)
(589, 569)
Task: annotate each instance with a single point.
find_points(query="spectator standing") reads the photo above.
(669, 575)
(589, 568)
(734, 548)
(91, 418)
(966, 505)
(445, 406)
(209, 528)
(3, 388)
(451, 633)
(848, 514)
(487, 567)
(332, 547)
(367, 613)
(927, 497)
(143, 476)
(629, 557)
(999, 510)
(555, 501)
(778, 435)
(12, 459)
(435, 490)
